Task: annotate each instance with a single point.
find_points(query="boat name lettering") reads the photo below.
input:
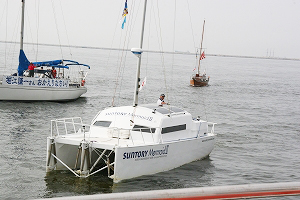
(146, 153)
(35, 82)
(136, 154)
(159, 152)
(130, 114)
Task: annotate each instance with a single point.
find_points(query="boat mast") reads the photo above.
(22, 25)
(201, 48)
(138, 52)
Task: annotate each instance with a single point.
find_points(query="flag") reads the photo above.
(194, 69)
(202, 56)
(123, 22)
(125, 12)
(143, 84)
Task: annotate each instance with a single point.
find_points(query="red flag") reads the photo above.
(202, 56)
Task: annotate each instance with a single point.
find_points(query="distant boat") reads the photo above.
(129, 141)
(200, 79)
(44, 84)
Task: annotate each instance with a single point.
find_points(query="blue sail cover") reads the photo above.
(50, 63)
(23, 63)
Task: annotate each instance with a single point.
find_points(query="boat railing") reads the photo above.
(211, 125)
(146, 130)
(66, 126)
(136, 135)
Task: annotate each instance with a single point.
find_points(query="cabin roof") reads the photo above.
(163, 109)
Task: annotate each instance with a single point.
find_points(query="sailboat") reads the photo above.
(200, 79)
(50, 80)
(129, 141)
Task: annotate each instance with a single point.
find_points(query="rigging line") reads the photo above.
(162, 53)
(6, 6)
(174, 31)
(147, 57)
(120, 61)
(125, 46)
(63, 16)
(119, 70)
(129, 33)
(30, 31)
(53, 8)
(191, 24)
(37, 31)
(14, 46)
(108, 58)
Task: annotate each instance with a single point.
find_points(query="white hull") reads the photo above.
(177, 154)
(24, 93)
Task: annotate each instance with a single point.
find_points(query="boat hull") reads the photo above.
(198, 82)
(160, 157)
(24, 93)
(135, 161)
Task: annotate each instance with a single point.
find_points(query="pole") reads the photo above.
(137, 83)
(201, 47)
(22, 25)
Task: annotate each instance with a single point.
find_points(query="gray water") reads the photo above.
(256, 103)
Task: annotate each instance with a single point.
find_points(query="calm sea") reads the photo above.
(256, 103)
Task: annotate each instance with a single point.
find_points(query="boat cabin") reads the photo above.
(147, 124)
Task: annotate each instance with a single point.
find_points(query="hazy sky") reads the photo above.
(233, 27)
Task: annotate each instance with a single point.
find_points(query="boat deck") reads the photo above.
(98, 142)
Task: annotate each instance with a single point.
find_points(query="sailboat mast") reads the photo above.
(201, 47)
(22, 25)
(139, 54)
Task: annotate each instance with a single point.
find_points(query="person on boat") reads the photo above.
(31, 69)
(160, 100)
(53, 72)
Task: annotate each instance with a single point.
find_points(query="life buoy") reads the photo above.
(82, 82)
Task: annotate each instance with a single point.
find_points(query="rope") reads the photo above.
(63, 16)
(162, 54)
(174, 31)
(57, 28)
(5, 8)
(37, 31)
(191, 24)
(122, 59)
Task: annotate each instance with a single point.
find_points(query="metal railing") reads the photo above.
(67, 126)
(212, 125)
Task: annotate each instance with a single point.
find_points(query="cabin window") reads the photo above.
(173, 128)
(143, 129)
(102, 123)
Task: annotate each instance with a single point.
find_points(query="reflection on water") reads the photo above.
(64, 183)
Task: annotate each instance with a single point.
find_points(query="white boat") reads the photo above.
(129, 141)
(43, 86)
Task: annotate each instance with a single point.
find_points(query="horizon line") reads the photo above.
(153, 51)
